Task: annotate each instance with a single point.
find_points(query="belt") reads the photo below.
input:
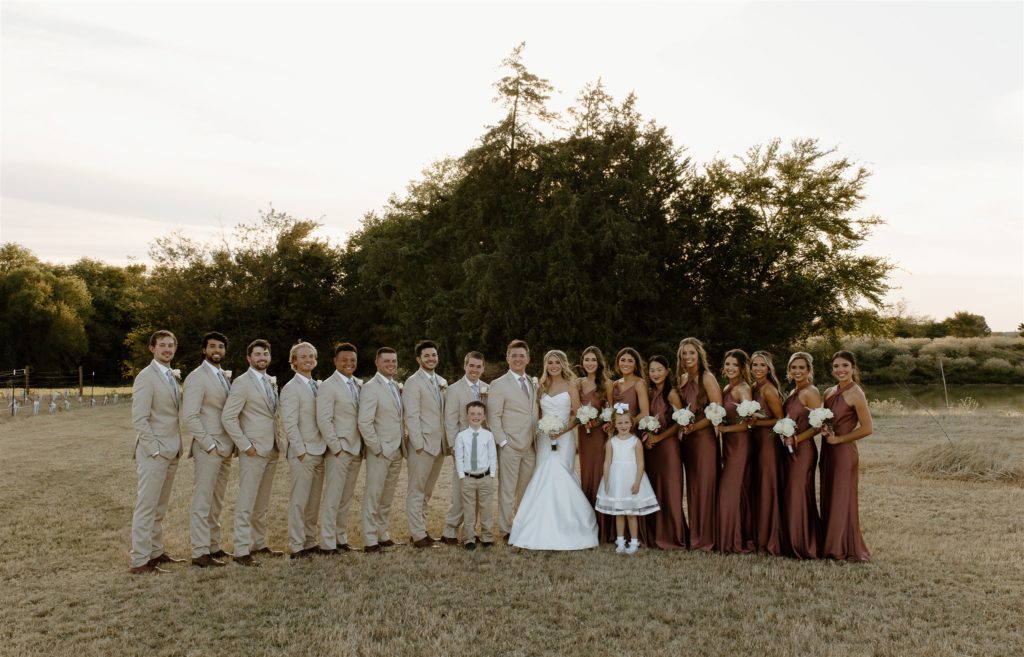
(476, 476)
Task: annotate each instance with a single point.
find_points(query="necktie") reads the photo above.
(312, 386)
(270, 393)
(522, 384)
(472, 457)
(355, 392)
(437, 390)
(394, 391)
(174, 387)
(223, 381)
(476, 391)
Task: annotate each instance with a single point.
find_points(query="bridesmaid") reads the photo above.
(630, 388)
(735, 527)
(851, 421)
(767, 460)
(802, 527)
(698, 387)
(595, 388)
(667, 527)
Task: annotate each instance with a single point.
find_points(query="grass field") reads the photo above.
(947, 576)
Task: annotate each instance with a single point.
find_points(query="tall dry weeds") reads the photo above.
(969, 460)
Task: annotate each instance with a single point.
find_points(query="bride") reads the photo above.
(554, 513)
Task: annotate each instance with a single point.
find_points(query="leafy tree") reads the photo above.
(966, 325)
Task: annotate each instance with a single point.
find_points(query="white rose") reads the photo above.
(176, 373)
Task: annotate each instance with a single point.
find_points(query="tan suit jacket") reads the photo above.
(201, 407)
(337, 415)
(424, 412)
(248, 416)
(458, 395)
(380, 420)
(155, 413)
(298, 418)
(511, 415)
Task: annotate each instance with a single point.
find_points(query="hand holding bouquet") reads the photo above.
(786, 428)
(585, 415)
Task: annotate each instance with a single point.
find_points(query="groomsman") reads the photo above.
(512, 416)
(156, 398)
(423, 401)
(306, 448)
(250, 419)
(337, 415)
(206, 390)
(468, 388)
(380, 423)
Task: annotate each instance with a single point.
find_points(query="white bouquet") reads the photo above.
(786, 428)
(549, 425)
(683, 417)
(606, 414)
(748, 410)
(820, 417)
(715, 413)
(585, 414)
(649, 424)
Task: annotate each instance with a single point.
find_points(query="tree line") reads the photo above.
(589, 227)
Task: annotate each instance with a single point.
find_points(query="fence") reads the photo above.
(30, 392)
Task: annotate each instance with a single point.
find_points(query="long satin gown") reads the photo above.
(628, 397)
(667, 526)
(592, 461)
(802, 525)
(840, 516)
(701, 462)
(735, 526)
(767, 463)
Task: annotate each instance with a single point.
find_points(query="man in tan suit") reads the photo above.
(206, 390)
(423, 401)
(337, 415)
(380, 423)
(512, 416)
(468, 388)
(155, 401)
(306, 449)
(250, 419)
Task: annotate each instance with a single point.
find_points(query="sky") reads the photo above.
(121, 122)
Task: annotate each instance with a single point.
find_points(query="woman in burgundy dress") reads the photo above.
(698, 387)
(735, 526)
(800, 511)
(595, 388)
(851, 421)
(666, 527)
(631, 389)
(767, 460)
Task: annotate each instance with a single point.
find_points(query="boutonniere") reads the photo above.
(443, 385)
(398, 385)
(226, 373)
(484, 388)
(533, 380)
(359, 382)
(273, 381)
(177, 374)
(319, 382)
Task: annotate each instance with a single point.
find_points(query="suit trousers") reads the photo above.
(453, 520)
(255, 481)
(156, 477)
(381, 479)
(514, 471)
(208, 488)
(340, 474)
(304, 501)
(478, 504)
(424, 469)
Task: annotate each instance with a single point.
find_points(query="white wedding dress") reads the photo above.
(554, 513)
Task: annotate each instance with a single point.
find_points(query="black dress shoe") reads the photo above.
(147, 569)
(345, 547)
(486, 544)
(301, 554)
(165, 558)
(221, 554)
(267, 551)
(206, 561)
(246, 560)
(389, 543)
(470, 546)
(449, 540)
(371, 548)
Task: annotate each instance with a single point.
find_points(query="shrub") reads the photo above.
(998, 365)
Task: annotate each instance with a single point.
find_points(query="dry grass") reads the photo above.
(970, 460)
(946, 578)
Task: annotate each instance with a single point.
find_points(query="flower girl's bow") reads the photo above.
(621, 407)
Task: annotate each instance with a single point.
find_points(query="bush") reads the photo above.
(998, 365)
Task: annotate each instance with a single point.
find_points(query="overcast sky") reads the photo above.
(121, 122)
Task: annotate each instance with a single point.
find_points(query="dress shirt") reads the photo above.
(486, 452)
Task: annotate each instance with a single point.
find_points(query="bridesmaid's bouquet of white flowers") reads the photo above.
(649, 424)
(820, 417)
(549, 425)
(715, 413)
(683, 417)
(606, 414)
(585, 414)
(748, 410)
(786, 428)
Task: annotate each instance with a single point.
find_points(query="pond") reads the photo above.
(989, 397)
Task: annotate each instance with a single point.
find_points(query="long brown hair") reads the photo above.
(641, 368)
(744, 362)
(848, 356)
(670, 383)
(599, 374)
(702, 367)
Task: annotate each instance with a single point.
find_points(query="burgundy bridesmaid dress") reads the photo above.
(591, 450)
(663, 465)
(801, 513)
(628, 397)
(766, 489)
(840, 516)
(735, 529)
(700, 460)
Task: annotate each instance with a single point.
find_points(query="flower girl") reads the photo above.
(625, 492)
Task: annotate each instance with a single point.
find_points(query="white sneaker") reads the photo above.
(620, 545)
(633, 547)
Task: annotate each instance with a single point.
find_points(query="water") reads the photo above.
(989, 397)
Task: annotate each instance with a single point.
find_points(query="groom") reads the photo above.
(512, 417)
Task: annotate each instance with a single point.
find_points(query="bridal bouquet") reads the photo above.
(549, 425)
(585, 414)
(748, 410)
(715, 413)
(683, 417)
(820, 417)
(786, 428)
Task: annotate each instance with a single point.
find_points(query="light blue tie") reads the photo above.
(476, 391)
(472, 457)
(270, 393)
(224, 381)
(174, 387)
(437, 392)
(312, 386)
(355, 392)
(398, 398)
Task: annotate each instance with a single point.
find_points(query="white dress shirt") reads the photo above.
(486, 452)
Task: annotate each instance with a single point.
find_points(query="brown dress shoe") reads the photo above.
(221, 554)
(206, 561)
(424, 542)
(246, 560)
(165, 558)
(449, 540)
(270, 553)
(147, 569)
(345, 547)
(371, 548)
(389, 543)
(301, 554)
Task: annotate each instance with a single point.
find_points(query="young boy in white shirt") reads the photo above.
(476, 462)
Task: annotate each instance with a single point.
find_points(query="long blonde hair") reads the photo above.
(807, 358)
(702, 367)
(567, 373)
